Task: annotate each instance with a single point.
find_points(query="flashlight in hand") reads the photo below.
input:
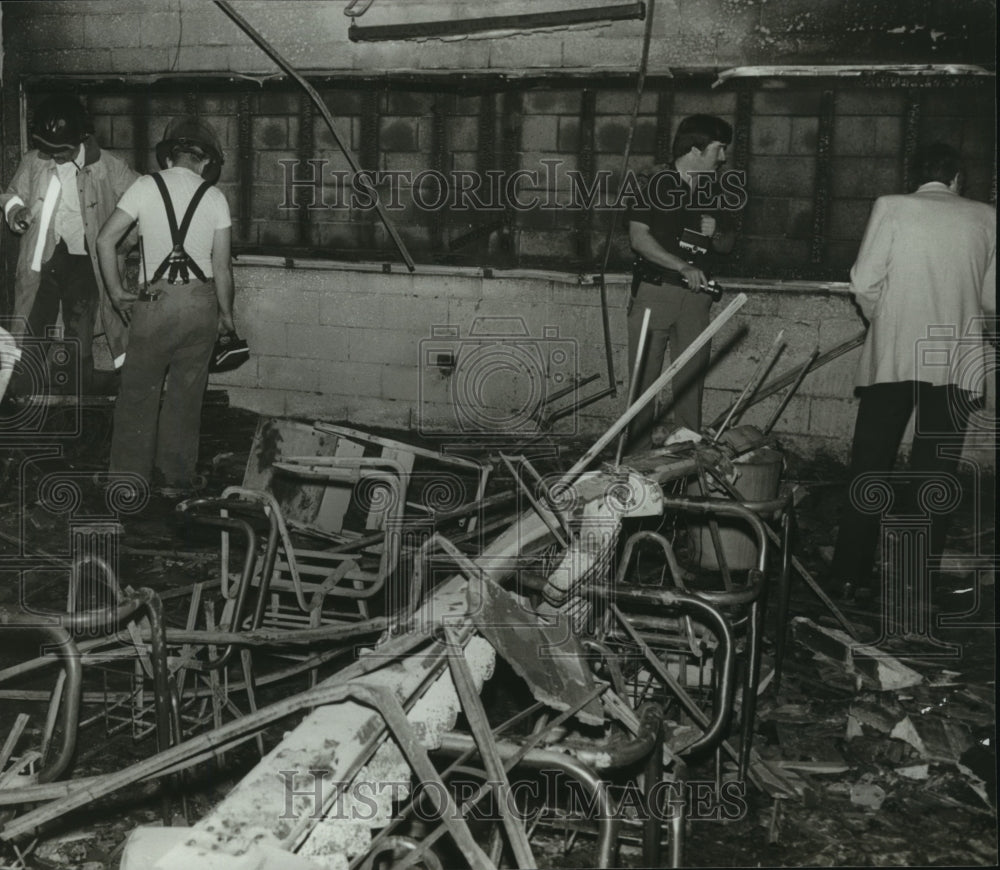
(21, 220)
(712, 288)
(696, 245)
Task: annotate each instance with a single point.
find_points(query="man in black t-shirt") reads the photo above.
(672, 235)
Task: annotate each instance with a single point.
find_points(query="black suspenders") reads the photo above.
(178, 261)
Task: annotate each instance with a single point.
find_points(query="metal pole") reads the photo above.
(784, 379)
(271, 52)
(633, 385)
(763, 367)
(791, 391)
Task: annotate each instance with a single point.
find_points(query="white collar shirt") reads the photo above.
(68, 219)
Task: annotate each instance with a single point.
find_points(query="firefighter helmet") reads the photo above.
(193, 135)
(60, 122)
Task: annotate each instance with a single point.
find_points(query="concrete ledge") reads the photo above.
(583, 279)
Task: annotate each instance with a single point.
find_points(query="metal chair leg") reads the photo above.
(750, 685)
(784, 591)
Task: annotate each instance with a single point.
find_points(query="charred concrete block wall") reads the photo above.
(521, 175)
(129, 36)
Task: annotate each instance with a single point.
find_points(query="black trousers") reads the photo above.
(67, 281)
(885, 409)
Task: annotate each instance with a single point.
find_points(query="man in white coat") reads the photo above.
(925, 277)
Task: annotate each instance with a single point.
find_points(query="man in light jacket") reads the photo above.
(925, 277)
(61, 194)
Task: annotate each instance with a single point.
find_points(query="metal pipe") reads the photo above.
(58, 638)
(602, 283)
(549, 398)
(785, 399)
(581, 403)
(269, 49)
(619, 753)
(677, 819)
(763, 367)
(556, 524)
(784, 591)
(522, 21)
(786, 378)
(454, 744)
(716, 535)
(161, 674)
(633, 384)
(652, 826)
(267, 570)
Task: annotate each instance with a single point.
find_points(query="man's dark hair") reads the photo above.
(938, 162)
(697, 131)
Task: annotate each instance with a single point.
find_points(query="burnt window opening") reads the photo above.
(516, 173)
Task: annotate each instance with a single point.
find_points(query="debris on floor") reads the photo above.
(355, 637)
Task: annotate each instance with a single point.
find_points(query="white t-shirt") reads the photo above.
(143, 201)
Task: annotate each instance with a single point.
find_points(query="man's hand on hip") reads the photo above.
(122, 301)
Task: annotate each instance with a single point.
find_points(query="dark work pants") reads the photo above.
(677, 317)
(171, 337)
(67, 281)
(884, 411)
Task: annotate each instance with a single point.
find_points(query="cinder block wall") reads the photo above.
(353, 346)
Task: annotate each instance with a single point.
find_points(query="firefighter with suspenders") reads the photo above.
(185, 303)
